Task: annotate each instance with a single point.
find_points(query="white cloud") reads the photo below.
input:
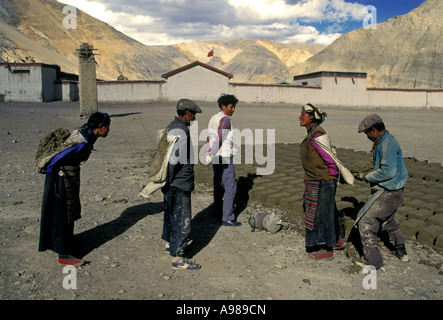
(173, 21)
(95, 9)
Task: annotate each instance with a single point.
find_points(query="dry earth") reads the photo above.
(120, 234)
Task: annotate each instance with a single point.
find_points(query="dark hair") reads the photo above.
(96, 120)
(378, 126)
(226, 99)
(181, 113)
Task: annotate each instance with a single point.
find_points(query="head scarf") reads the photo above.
(318, 115)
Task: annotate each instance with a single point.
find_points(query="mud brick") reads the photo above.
(410, 228)
(429, 234)
(436, 220)
(287, 203)
(258, 192)
(420, 214)
(439, 242)
(405, 211)
(275, 198)
(416, 203)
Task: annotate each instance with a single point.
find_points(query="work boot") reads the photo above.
(400, 252)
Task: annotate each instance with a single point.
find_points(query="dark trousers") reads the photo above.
(225, 189)
(177, 220)
(380, 216)
(56, 232)
(326, 229)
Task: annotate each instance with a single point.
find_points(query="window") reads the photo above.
(21, 71)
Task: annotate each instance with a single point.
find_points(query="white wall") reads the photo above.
(310, 82)
(202, 84)
(66, 90)
(24, 83)
(197, 83)
(435, 99)
(129, 91)
(344, 91)
(249, 93)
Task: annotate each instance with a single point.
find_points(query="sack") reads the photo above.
(157, 168)
(49, 146)
(345, 175)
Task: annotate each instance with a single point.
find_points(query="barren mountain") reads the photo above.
(403, 52)
(251, 61)
(33, 31)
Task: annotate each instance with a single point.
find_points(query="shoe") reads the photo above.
(400, 252)
(231, 223)
(363, 266)
(70, 260)
(321, 255)
(340, 245)
(186, 265)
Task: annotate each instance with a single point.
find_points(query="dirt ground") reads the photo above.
(120, 233)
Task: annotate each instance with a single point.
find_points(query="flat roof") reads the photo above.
(331, 74)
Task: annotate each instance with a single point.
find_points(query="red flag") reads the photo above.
(211, 53)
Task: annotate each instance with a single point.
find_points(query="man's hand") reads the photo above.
(359, 176)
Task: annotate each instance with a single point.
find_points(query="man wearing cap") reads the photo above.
(179, 185)
(387, 180)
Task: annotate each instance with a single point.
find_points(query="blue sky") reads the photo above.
(155, 22)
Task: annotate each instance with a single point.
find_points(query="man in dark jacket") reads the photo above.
(179, 185)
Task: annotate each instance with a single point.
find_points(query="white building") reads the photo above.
(37, 82)
(28, 82)
(196, 81)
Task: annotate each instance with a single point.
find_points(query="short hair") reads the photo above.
(181, 113)
(226, 99)
(97, 119)
(378, 126)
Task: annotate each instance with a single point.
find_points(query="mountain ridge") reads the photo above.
(403, 52)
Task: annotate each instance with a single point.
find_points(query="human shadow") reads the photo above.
(352, 212)
(92, 239)
(119, 115)
(204, 227)
(244, 185)
(206, 223)
(355, 207)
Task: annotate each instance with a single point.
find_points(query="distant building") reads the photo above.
(38, 82)
(197, 81)
(35, 82)
(324, 78)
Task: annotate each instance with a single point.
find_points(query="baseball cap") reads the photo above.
(368, 122)
(186, 104)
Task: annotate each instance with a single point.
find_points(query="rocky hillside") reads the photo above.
(404, 52)
(252, 61)
(32, 30)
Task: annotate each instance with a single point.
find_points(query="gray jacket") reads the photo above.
(181, 166)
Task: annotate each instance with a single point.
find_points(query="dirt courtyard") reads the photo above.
(121, 233)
